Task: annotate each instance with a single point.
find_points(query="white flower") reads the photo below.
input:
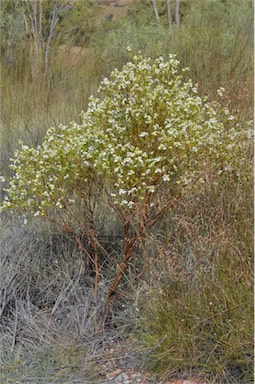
(151, 188)
(132, 190)
(166, 178)
(162, 146)
(221, 91)
(143, 134)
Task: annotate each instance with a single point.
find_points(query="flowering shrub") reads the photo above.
(157, 136)
(148, 135)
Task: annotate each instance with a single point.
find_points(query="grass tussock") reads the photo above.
(47, 307)
(199, 313)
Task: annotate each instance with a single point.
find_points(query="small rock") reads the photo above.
(113, 374)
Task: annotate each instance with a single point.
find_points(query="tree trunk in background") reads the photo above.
(169, 13)
(54, 20)
(177, 12)
(40, 20)
(37, 29)
(33, 26)
(155, 10)
(40, 41)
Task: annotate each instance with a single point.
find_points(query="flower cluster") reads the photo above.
(51, 175)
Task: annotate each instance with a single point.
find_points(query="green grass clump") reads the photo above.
(200, 313)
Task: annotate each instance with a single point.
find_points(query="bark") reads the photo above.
(40, 20)
(169, 13)
(36, 38)
(177, 12)
(155, 10)
(54, 20)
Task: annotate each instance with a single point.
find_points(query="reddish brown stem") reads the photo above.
(129, 246)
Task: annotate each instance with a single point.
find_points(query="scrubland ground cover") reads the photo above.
(193, 268)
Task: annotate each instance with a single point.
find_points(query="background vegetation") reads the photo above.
(196, 266)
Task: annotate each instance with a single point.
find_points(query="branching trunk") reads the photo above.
(129, 245)
(32, 16)
(40, 44)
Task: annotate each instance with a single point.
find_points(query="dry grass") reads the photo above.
(47, 307)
